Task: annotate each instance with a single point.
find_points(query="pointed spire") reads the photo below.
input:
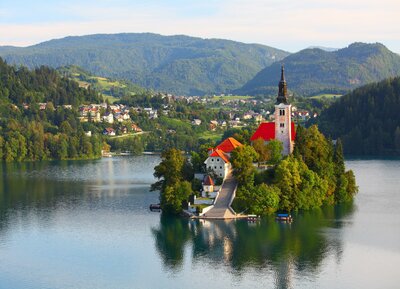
(282, 95)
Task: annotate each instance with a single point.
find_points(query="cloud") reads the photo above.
(287, 24)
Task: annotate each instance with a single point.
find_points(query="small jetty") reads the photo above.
(155, 207)
(287, 218)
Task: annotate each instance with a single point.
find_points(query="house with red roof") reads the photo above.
(282, 128)
(208, 187)
(218, 157)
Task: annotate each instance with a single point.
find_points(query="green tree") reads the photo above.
(242, 159)
(275, 148)
(262, 150)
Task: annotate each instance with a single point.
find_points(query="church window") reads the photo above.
(217, 160)
(281, 112)
(220, 167)
(215, 167)
(282, 125)
(212, 159)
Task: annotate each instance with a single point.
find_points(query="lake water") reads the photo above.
(86, 225)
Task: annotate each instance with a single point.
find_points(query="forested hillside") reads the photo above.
(35, 124)
(367, 119)
(315, 71)
(175, 64)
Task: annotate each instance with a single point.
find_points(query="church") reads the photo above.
(283, 128)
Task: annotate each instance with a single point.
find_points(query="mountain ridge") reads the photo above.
(179, 64)
(314, 71)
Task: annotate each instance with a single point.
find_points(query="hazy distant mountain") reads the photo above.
(313, 71)
(178, 64)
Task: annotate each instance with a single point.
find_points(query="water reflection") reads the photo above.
(283, 249)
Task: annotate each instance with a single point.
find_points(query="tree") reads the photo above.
(174, 189)
(275, 148)
(262, 150)
(338, 158)
(169, 171)
(174, 195)
(242, 159)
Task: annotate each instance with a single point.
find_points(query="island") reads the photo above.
(281, 167)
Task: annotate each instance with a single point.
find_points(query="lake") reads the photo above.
(86, 224)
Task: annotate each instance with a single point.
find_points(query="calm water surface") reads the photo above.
(87, 225)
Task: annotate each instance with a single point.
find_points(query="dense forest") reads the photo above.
(312, 176)
(315, 71)
(175, 64)
(35, 124)
(367, 119)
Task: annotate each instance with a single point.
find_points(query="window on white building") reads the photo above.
(282, 125)
(281, 112)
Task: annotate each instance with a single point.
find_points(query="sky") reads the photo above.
(290, 25)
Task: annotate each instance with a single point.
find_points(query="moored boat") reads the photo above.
(284, 218)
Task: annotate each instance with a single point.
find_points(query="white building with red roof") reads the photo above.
(283, 128)
(218, 157)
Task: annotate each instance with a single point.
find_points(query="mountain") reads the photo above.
(177, 64)
(329, 49)
(314, 71)
(367, 119)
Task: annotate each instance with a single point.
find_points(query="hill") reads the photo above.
(315, 71)
(39, 119)
(367, 119)
(177, 64)
(109, 88)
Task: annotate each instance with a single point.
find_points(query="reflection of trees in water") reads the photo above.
(22, 193)
(284, 248)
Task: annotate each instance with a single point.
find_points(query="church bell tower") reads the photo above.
(283, 117)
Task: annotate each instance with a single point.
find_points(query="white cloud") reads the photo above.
(287, 24)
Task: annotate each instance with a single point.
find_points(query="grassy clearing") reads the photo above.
(213, 135)
(232, 97)
(128, 135)
(326, 95)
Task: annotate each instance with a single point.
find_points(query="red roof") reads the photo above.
(221, 154)
(208, 181)
(228, 145)
(266, 131)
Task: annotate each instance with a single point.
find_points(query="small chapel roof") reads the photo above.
(208, 181)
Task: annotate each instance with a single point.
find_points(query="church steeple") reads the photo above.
(282, 95)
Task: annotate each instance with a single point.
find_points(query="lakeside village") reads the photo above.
(282, 168)
(119, 116)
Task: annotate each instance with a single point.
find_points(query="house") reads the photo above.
(108, 117)
(109, 131)
(208, 186)
(218, 157)
(136, 128)
(42, 105)
(196, 121)
(282, 128)
(228, 145)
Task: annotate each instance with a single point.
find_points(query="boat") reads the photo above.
(155, 207)
(284, 218)
(252, 218)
